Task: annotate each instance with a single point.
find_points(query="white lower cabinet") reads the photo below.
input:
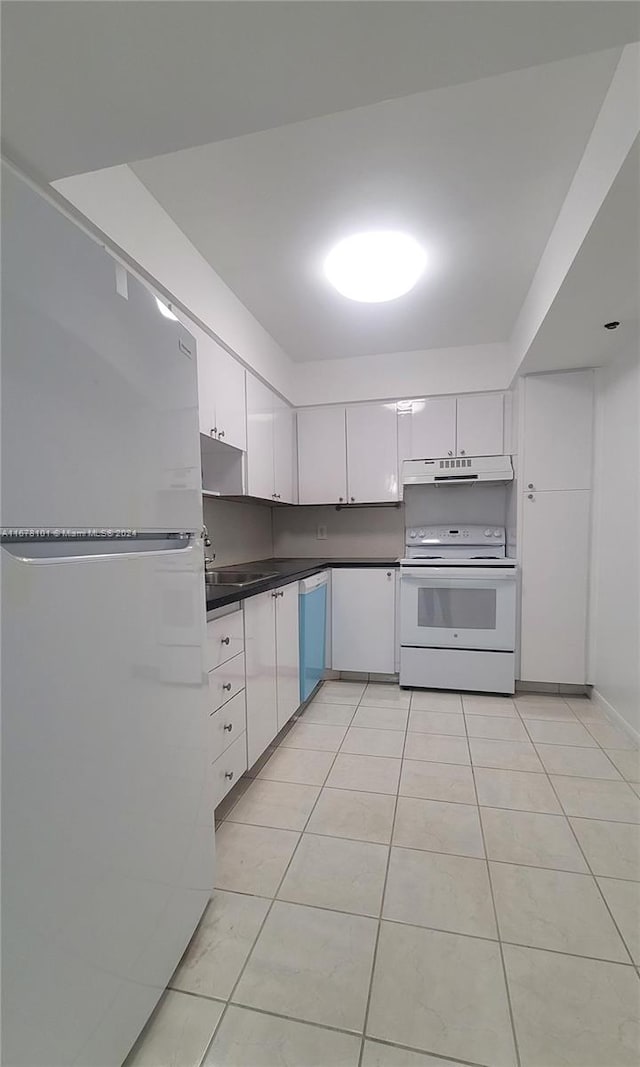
(228, 768)
(287, 653)
(363, 614)
(273, 665)
(555, 583)
(226, 725)
(260, 650)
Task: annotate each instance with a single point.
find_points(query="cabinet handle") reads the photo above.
(227, 686)
(221, 433)
(228, 774)
(462, 452)
(224, 640)
(449, 453)
(213, 432)
(353, 499)
(388, 574)
(530, 496)
(228, 726)
(530, 485)
(340, 499)
(274, 595)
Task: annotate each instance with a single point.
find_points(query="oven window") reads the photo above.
(457, 609)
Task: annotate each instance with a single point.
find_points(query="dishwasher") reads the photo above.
(313, 621)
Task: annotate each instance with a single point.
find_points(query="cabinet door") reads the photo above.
(433, 428)
(322, 456)
(555, 578)
(480, 425)
(287, 652)
(363, 619)
(230, 401)
(283, 451)
(372, 453)
(558, 430)
(206, 360)
(259, 439)
(260, 646)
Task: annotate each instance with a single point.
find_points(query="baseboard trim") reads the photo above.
(616, 718)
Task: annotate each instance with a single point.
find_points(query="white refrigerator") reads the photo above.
(107, 841)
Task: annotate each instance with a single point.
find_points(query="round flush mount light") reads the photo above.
(375, 266)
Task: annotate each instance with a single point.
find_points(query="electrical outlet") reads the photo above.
(321, 533)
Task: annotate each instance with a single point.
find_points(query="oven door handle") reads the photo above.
(460, 574)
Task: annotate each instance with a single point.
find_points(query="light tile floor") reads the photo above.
(420, 879)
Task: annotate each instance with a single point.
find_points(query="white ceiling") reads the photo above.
(477, 172)
(90, 85)
(602, 285)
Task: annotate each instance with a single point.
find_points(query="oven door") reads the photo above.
(444, 607)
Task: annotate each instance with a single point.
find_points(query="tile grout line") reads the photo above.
(374, 960)
(397, 796)
(583, 853)
(495, 911)
(262, 924)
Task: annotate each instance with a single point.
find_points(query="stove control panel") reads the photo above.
(451, 535)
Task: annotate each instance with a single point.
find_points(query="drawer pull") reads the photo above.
(225, 640)
(228, 774)
(227, 686)
(228, 726)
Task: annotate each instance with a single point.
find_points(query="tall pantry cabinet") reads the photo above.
(556, 472)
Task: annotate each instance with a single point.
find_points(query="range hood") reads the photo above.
(458, 471)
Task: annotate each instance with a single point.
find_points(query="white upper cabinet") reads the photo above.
(260, 440)
(221, 393)
(454, 426)
(480, 425)
(558, 430)
(231, 407)
(322, 456)
(270, 444)
(433, 427)
(283, 451)
(372, 453)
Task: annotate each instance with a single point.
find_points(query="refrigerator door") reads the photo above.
(100, 411)
(106, 801)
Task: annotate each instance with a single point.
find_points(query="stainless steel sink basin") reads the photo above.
(237, 579)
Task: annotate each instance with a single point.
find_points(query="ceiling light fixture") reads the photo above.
(375, 266)
(164, 310)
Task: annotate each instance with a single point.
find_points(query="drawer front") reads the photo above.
(228, 768)
(225, 639)
(225, 681)
(226, 724)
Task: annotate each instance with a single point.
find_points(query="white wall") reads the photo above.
(240, 533)
(351, 532)
(119, 204)
(615, 602)
(399, 375)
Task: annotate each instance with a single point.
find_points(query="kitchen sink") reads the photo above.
(237, 579)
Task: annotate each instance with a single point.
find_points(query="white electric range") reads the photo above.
(457, 609)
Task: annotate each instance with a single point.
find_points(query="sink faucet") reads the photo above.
(208, 560)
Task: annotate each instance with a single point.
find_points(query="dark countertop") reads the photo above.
(285, 570)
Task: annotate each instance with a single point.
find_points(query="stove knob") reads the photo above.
(412, 534)
(487, 533)
(421, 533)
(496, 533)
